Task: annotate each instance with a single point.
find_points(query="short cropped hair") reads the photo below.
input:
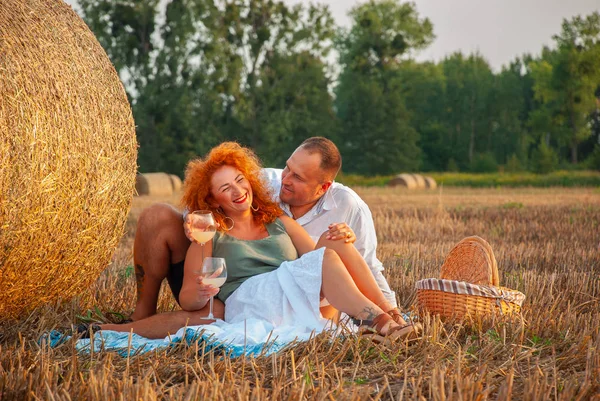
(331, 159)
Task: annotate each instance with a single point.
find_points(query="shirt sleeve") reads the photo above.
(273, 178)
(361, 221)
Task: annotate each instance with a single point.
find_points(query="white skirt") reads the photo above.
(289, 295)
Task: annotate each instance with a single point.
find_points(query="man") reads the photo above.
(308, 194)
(306, 191)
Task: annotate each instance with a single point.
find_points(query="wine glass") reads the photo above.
(202, 227)
(214, 272)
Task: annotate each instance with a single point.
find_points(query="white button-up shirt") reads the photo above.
(340, 204)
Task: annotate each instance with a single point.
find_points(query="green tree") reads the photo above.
(469, 82)
(544, 159)
(565, 80)
(205, 71)
(270, 32)
(423, 87)
(510, 101)
(484, 163)
(376, 136)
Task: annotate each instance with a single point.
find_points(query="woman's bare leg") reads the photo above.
(358, 269)
(329, 312)
(163, 324)
(341, 291)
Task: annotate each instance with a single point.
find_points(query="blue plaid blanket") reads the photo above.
(252, 338)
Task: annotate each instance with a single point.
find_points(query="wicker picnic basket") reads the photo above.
(459, 299)
(469, 285)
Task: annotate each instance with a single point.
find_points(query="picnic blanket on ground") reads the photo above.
(252, 338)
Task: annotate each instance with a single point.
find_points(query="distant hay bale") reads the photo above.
(403, 180)
(430, 182)
(177, 184)
(156, 184)
(419, 180)
(67, 156)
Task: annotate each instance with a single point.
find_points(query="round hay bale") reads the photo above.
(420, 181)
(176, 181)
(403, 180)
(430, 183)
(156, 184)
(67, 156)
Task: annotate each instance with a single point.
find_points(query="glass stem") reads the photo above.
(210, 314)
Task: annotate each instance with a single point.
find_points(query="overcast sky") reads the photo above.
(498, 29)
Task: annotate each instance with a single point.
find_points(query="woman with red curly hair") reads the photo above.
(274, 271)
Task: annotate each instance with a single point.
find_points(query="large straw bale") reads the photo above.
(156, 184)
(420, 181)
(403, 180)
(67, 155)
(430, 182)
(176, 181)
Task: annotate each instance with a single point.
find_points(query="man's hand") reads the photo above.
(187, 223)
(187, 228)
(341, 231)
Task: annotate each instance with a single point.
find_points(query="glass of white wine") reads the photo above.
(214, 272)
(202, 227)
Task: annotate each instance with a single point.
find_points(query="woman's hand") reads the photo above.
(341, 231)
(205, 291)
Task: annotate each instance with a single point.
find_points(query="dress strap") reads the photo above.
(275, 227)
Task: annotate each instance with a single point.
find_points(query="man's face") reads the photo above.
(302, 180)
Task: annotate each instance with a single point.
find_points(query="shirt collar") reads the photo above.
(326, 203)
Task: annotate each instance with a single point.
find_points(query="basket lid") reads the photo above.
(471, 260)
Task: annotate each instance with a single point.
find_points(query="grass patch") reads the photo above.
(552, 353)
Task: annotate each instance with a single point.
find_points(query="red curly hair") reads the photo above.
(198, 174)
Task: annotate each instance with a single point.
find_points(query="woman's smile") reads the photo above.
(241, 199)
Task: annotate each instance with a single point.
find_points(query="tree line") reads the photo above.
(269, 75)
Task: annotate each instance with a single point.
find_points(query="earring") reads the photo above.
(220, 211)
(253, 207)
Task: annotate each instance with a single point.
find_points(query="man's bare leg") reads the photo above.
(163, 324)
(159, 241)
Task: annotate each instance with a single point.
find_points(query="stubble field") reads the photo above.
(546, 241)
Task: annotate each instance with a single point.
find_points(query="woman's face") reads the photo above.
(231, 190)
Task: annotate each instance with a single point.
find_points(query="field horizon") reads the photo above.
(546, 242)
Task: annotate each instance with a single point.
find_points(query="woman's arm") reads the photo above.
(194, 295)
(300, 238)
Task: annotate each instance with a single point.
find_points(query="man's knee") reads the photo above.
(160, 235)
(159, 216)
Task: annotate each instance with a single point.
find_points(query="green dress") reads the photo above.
(248, 258)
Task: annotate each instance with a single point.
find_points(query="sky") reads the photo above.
(500, 30)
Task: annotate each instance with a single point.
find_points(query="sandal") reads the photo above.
(372, 329)
(396, 316)
(85, 330)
